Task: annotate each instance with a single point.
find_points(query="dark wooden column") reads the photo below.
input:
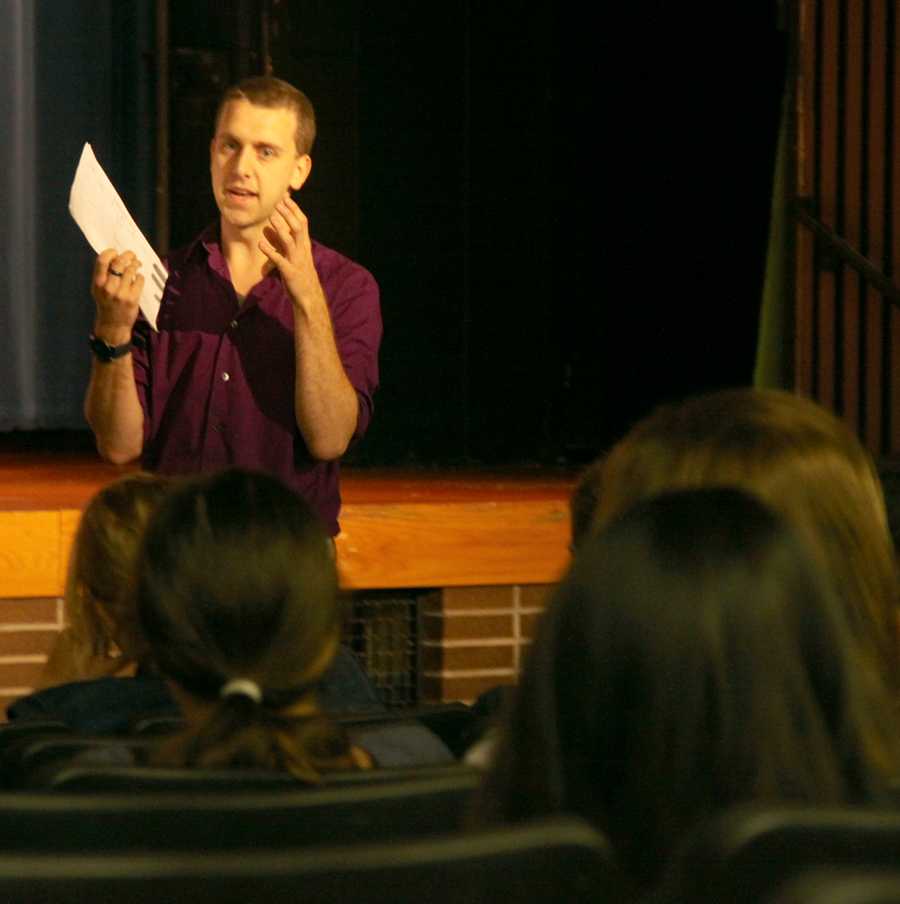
(847, 156)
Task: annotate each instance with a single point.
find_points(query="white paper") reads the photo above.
(105, 221)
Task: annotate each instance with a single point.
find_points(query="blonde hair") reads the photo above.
(275, 93)
(99, 599)
(803, 461)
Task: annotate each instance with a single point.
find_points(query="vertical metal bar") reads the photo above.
(874, 53)
(162, 128)
(465, 187)
(21, 208)
(805, 30)
(265, 45)
(828, 53)
(851, 204)
(892, 211)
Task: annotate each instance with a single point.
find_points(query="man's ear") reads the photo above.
(302, 168)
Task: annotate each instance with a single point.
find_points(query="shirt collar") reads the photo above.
(211, 244)
(208, 243)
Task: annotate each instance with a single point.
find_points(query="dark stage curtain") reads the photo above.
(74, 72)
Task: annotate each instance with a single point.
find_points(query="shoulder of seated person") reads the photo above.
(401, 744)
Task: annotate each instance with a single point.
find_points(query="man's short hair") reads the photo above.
(275, 93)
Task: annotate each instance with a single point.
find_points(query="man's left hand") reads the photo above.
(287, 245)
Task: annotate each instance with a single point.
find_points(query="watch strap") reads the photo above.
(105, 352)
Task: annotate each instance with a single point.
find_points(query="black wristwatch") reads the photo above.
(105, 352)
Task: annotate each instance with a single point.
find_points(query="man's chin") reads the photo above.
(240, 220)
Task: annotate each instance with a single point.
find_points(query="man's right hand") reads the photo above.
(111, 405)
(116, 287)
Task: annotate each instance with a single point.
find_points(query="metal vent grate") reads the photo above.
(382, 630)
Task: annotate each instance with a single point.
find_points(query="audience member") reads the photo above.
(99, 676)
(583, 504)
(236, 589)
(802, 460)
(694, 657)
(102, 634)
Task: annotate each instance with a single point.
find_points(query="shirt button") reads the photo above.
(233, 324)
(226, 377)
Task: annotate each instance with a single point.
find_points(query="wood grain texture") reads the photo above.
(453, 544)
(29, 553)
(399, 529)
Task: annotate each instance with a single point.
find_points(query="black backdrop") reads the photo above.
(567, 216)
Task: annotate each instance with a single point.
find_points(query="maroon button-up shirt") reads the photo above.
(216, 382)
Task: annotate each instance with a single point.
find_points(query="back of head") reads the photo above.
(275, 93)
(693, 657)
(236, 581)
(803, 461)
(583, 504)
(99, 595)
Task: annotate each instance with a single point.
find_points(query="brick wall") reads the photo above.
(474, 638)
(28, 628)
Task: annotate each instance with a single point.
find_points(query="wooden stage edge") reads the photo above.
(399, 529)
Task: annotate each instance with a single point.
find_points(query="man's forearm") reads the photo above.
(325, 402)
(326, 407)
(113, 410)
(111, 405)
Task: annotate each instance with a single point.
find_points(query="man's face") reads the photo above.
(253, 162)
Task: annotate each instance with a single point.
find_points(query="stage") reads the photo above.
(486, 545)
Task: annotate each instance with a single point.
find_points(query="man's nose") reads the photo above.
(243, 159)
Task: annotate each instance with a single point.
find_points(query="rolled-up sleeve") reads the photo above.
(140, 358)
(356, 319)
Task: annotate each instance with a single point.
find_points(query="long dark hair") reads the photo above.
(236, 580)
(803, 461)
(695, 656)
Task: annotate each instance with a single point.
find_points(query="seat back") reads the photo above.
(233, 818)
(831, 886)
(94, 777)
(20, 732)
(27, 762)
(745, 854)
(451, 722)
(551, 861)
(157, 725)
(15, 730)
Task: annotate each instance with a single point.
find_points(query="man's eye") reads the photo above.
(267, 152)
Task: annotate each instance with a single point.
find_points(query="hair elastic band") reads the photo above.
(244, 687)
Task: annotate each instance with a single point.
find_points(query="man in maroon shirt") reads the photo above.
(266, 354)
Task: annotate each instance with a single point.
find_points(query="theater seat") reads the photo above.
(831, 886)
(42, 758)
(745, 854)
(88, 777)
(551, 861)
(233, 818)
(31, 759)
(14, 734)
(10, 732)
(451, 722)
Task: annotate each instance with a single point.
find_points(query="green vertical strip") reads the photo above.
(775, 346)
